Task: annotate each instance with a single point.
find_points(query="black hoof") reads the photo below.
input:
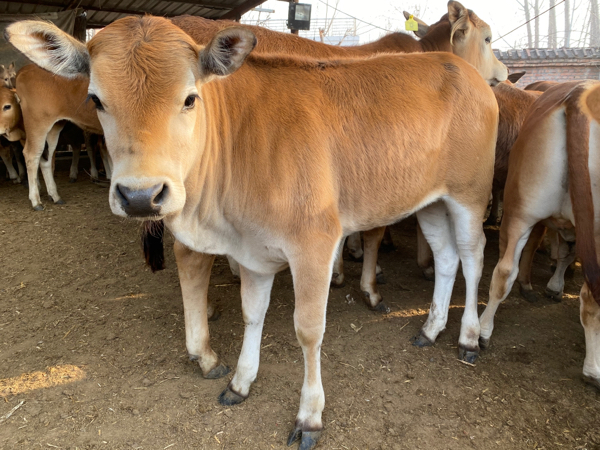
(553, 295)
(308, 439)
(386, 248)
(592, 381)
(381, 307)
(38, 208)
(484, 343)
(229, 398)
(72, 180)
(421, 340)
(380, 277)
(218, 372)
(467, 355)
(215, 315)
(528, 294)
(429, 274)
(60, 202)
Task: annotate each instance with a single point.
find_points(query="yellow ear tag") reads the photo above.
(411, 24)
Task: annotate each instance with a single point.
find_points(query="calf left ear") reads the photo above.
(459, 19)
(516, 76)
(227, 51)
(423, 27)
(49, 47)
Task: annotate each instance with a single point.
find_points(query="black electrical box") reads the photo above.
(299, 16)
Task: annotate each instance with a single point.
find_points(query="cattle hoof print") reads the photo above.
(230, 398)
(466, 355)
(528, 294)
(308, 439)
(380, 277)
(218, 372)
(484, 343)
(553, 295)
(420, 340)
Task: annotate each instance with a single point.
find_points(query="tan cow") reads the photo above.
(552, 163)
(239, 161)
(459, 31)
(46, 102)
(8, 75)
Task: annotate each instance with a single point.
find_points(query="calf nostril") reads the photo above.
(159, 198)
(122, 194)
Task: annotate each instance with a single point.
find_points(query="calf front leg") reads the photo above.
(256, 292)
(74, 163)
(194, 277)
(311, 275)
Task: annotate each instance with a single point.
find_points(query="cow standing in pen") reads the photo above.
(551, 179)
(214, 141)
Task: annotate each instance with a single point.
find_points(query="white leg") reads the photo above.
(47, 165)
(233, 266)
(256, 292)
(194, 276)
(470, 242)
(6, 156)
(566, 255)
(590, 319)
(106, 160)
(438, 230)
(514, 233)
(74, 163)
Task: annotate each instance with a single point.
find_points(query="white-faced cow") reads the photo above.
(551, 166)
(239, 161)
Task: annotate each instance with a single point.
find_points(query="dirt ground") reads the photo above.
(92, 348)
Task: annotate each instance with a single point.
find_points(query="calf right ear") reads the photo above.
(49, 47)
(227, 51)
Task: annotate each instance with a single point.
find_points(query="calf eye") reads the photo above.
(190, 101)
(488, 40)
(97, 102)
(6, 107)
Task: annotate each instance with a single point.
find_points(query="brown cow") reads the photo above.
(541, 86)
(556, 143)
(215, 142)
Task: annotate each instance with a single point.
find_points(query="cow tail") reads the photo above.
(153, 245)
(580, 187)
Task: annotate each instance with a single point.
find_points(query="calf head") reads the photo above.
(10, 110)
(146, 77)
(8, 75)
(471, 39)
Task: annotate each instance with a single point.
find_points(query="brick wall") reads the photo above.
(555, 70)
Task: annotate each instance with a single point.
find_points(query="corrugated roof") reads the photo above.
(547, 53)
(102, 12)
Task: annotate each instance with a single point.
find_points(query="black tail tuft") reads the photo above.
(152, 244)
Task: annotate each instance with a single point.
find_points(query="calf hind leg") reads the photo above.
(368, 281)
(565, 256)
(47, 164)
(514, 234)
(526, 262)
(437, 229)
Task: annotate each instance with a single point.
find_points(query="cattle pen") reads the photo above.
(97, 349)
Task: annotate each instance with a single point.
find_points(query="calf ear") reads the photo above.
(49, 47)
(459, 19)
(227, 51)
(514, 77)
(423, 27)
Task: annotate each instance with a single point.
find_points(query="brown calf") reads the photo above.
(46, 102)
(557, 143)
(10, 124)
(237, 160)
